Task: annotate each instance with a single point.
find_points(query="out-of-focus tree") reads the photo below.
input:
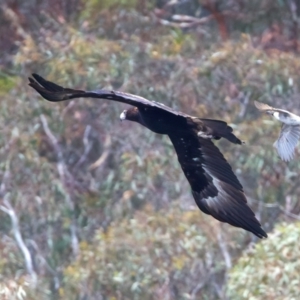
(76, 184)
(275, 264)
(169, 256)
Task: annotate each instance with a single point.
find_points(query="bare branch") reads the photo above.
(276, 205)
(224, 250)
(87, 147)
(7, 208)
(44, 262)
(184, 21)
(52, 138)
(244, 104)
(63, 173)
(13, 18)
(218, 290)
(6, 176)
(100, 161)
(201, 284)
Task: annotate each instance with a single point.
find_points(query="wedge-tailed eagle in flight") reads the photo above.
(290, 130)
(215, 187)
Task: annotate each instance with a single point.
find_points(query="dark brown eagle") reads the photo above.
(215, 187)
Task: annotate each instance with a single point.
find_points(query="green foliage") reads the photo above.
(98, 5)
(152, 253)
(92, 8)
(6, 83)
(270, 270)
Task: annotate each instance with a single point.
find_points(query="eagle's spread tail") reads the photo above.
(220, 129)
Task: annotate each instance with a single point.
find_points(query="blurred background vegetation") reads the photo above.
(92, 208)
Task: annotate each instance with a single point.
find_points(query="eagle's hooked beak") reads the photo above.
(123, 115)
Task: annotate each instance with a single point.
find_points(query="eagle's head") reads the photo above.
(131, 114)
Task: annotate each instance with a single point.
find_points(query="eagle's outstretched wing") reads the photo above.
(56, 93)
(215, 187)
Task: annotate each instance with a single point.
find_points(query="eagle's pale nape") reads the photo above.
(123, 115)
(215, 187)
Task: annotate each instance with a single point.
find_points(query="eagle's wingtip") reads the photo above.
(35, 75)
(259, 232)
(264, 235)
